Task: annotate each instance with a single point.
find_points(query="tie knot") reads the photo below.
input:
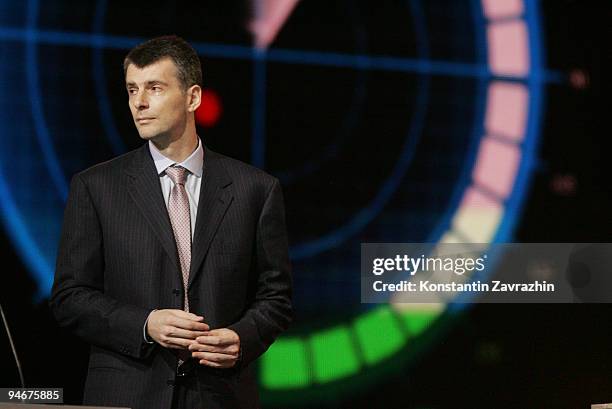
(178, 174)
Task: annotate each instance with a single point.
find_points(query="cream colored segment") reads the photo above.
(449, 237)
(418, 307)
(477, 224)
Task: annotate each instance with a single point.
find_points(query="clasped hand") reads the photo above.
(177, 329)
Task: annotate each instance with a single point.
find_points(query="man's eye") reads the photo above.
(157, 88)
(132, 91)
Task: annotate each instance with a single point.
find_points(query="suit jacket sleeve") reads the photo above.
(270, 312)
(77, 298)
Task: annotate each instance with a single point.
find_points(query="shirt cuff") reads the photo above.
(144, 330)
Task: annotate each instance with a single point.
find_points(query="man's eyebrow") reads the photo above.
(148, 83)
(156, 82)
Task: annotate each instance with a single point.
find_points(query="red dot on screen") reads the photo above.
(579, 79)
(209, 111)
(564, 184)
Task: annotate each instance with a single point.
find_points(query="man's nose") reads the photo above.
(140, 101)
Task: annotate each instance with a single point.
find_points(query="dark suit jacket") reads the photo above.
(118, 261)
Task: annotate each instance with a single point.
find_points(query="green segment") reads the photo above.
(285, 365)
(379, 334)
(334, 355)
(418, 321)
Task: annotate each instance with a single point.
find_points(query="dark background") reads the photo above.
(502, 356)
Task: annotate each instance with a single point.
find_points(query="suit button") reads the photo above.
(176, 292)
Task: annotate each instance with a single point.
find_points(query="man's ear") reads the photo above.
(194, 97)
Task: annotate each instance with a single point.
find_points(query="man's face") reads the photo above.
(159, 103)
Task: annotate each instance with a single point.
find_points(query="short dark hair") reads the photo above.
(171, 46)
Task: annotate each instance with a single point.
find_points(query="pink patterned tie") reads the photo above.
(180, 218)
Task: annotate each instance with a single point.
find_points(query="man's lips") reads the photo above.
(144, 120)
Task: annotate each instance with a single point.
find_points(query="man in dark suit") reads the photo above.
(173, 262)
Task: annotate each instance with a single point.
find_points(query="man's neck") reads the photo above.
(178, 149)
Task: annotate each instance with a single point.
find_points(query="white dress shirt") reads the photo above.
(194, 164)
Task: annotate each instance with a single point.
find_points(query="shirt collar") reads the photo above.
(193, 163)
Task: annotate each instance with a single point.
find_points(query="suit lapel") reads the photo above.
(215, 198)
(145, 190)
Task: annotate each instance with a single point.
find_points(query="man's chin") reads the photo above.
(148, 136)
(159, 139)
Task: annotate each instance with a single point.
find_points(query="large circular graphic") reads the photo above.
(387, 122)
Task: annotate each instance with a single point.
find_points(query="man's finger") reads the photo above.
(223, 333)
(177, 343)
(215, 340)
(214, 357)
(227, 349)
(175, 332)
(189, 325)
(213, 364)
(186, 315)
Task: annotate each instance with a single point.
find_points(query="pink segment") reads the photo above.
(507, 105)
(269, 17)
(508, 50)
(496, 166)
(502, 8)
